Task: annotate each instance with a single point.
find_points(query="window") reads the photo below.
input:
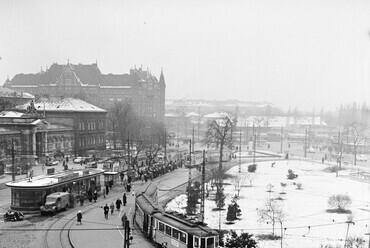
(175, 233)
(202, 243)
(168, 230)
(196, 242)
(210, 242)
(161, 227)
(182, 237)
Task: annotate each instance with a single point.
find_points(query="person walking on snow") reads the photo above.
(124, 199)
(106, 211)
(118, 204)
(111, 208)
(79, 217)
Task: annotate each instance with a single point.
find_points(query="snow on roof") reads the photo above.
(216, 115)
(11, 114)
(42, 180)
(64, 104)
(279, 121)
(192, 114)
(171, 115)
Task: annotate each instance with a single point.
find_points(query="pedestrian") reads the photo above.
(106, 210)
(107, 189)
(111, 208)
(128, 188)
(95, 195)
(79, 217)
(104, 193)
(124, 199)
(43, 168)
(124, 219)
(118, 204)
(67, 159)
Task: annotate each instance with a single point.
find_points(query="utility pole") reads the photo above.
(203, 186)
(189, 180)
(254, 146)
(348, 223)
(240, 151)
(339, 151)
(305, 142)
(127, 235)
(193, 140)
(281, 140)
(128, 148)
(368, 234)
(13, 169)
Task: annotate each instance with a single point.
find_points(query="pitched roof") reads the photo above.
(63, 105)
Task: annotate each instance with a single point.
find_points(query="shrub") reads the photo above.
(269, 187)
(291, 174)
(339, 202)
(299, 185)
(252, 168)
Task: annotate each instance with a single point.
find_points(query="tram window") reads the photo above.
(161, 226)
(175, 233)
(196, 242)
(168, 230)
(182, 237)
(202, 243)
(210, 242)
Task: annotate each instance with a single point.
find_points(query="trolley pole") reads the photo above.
(189, 181)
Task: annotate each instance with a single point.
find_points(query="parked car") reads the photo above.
(361, 157)
(78, 160)
(55, 202)
(52, 162)
(93, 164)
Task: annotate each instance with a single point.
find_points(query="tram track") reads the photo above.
(59, 233)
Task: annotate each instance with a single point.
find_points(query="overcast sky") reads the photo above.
(304, 53)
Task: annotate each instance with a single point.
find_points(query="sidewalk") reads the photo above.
(98, 232)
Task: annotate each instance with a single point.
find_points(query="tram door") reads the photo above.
(151, 226)
(146, 223)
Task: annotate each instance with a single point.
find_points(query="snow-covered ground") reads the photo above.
(307, 224)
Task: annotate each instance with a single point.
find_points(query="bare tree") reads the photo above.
(250, 177)
(357, 131)
(119, 118)
(272, 213)
(239, 182)
(219, 133)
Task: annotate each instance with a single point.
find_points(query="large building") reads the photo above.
(86, 82)
(52, 126)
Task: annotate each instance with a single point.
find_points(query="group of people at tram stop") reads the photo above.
(150, 172)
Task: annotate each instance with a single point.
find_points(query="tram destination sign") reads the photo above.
(67, 177)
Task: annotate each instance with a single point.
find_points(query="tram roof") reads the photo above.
(58, 178)
(186, 225)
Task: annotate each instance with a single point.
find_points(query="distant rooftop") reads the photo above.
(5, 92)
(63, 105)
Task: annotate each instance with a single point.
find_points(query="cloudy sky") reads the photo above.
(304, 53)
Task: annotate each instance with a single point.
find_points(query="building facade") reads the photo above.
(86, 82)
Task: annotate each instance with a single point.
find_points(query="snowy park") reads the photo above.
(307, 220)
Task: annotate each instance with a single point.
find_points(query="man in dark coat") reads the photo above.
(106, 211)
(118, 204)
(124, 199)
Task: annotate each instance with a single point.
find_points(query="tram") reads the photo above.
(170, 229)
